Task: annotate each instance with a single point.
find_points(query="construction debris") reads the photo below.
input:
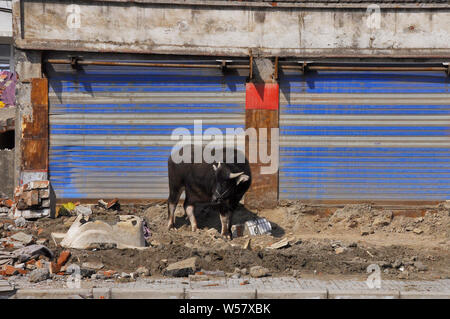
(34, 200)
(127, 233)
(280, 244)
(259, 226)
(182, 268)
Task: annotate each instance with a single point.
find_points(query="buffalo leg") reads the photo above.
(174, 197)
(225, 219)
(189, 209)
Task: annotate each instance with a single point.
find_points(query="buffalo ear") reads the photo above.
(242, 178)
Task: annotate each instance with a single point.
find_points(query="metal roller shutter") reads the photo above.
(110, 126)
(365, 136)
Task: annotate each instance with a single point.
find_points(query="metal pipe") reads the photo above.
(147, 64)
(363, 68)
(244, 66)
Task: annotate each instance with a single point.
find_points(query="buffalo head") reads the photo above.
(226, 182)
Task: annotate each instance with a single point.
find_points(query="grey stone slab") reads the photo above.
(291, 294)
(363, 294)
(229, 293)
(424, 295)
(129, 293)
(53, 294)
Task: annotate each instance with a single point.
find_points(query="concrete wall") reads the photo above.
(6, 173)
(231, 30)
(5, 22)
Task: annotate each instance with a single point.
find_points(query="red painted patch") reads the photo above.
(262, 96)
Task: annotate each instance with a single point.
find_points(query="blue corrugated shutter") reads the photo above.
(365, 135)
(110, 126)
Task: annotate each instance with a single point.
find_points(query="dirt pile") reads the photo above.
(318, 244)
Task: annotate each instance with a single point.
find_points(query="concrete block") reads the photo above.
(291, 294)
(155, 293)
(425, 294)
(221, 293)
(53, 294)
(363, 294)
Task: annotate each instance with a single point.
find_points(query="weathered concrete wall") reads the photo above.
(224, 30)
(6, 173)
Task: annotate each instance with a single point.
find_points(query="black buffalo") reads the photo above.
(221, 184)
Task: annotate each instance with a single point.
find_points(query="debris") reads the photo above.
(39, 275)
(259, 226)
(182, 268)
(96, 265)
(258, 272)
(102, 203)
(383, 219)
(280, 244)
(32, 252)
(42, 241)
(23, 238)
(417, 231)
(9, 270)
(366, 231)
(340, 250)
(101, 246)
(397, 263)
(146, 230)
(83, 210)
(127, 233)
(420, 266)
(113, 204)
(20, 222)
(34, 200)
(142, 271)
(63, 258)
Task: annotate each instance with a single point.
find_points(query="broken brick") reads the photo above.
(54, 268)
(63, 258)
(44, 193)
(109, 273)
(31, 262)
(38, 184)
(10, 270)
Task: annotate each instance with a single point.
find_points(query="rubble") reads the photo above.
(259, 271)
(95, 265)
(34, 200)
(20, 222)
(258, 226)
(280, 244)
(38, 275)
(182, 268)
(127, 233)
(83, 210)
(23, 238)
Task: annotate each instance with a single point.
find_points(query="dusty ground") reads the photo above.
(404, 247)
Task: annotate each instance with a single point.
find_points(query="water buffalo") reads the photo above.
(221, 184)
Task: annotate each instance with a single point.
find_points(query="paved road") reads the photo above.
(223, 288)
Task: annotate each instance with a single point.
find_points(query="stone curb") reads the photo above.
(424, 295)
(233, 293)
